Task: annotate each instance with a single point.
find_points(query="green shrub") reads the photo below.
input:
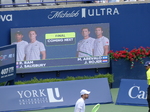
(19, 83)
(80, 78)
(2, 83)
(69, 78)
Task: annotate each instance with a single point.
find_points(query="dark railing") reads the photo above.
(54, 2)
(13, 4)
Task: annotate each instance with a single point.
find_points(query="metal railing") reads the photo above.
(54, 2)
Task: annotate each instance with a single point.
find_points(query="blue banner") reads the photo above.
(132, 92)
(124, 30)
(54, 94)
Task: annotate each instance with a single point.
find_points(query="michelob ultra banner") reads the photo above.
(54, 94)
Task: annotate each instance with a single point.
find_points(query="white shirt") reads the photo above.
(99, 45)
(80, 105)
(20, 49)
(33, 50)
(85, 47)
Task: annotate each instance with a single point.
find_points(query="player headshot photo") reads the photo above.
(86, 45)
(101, 43)
(35, 50)
(21, 45)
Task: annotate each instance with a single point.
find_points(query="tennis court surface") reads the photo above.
(103, 107)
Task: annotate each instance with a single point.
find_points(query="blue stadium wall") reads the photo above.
(129, 27)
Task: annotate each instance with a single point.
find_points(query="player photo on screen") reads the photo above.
(93, 46)
(61, 47)
(29, 50)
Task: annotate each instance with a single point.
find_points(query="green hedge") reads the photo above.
(2, 83)
(35, 80)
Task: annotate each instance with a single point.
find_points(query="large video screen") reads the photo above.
(56, 48)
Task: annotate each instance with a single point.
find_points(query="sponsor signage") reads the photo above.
(132, 92)
(63, 14)
(54, 94)
(99, 12)
(84, 12)
(7, 63)
(4, 18)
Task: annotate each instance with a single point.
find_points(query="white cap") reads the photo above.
(83, 91)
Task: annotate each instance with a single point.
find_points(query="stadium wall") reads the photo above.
(129, 26)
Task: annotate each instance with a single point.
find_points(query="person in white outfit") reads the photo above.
(85, 46)
(101, 44)
(80, 104)
(35, 49)
(21, 45)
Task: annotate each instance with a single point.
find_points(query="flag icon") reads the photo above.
(104, 61)
(104, 57)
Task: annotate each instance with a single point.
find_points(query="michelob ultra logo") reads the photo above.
(63, 14)
(49, 95)
(86, 12)
(8, 17)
